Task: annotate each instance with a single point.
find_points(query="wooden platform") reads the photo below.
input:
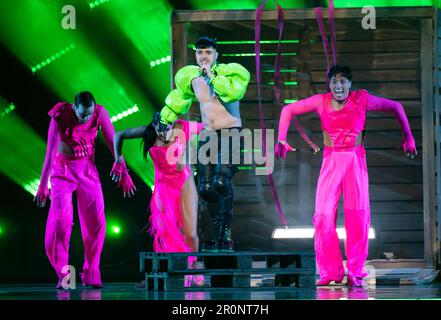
(230, 270)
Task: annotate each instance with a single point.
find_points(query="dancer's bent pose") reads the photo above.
(218, 89)
(69, 162)
(343, 117)
(173, 220)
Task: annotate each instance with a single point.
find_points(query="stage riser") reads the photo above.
(283, 270)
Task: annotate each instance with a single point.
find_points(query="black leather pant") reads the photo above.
(215, 185)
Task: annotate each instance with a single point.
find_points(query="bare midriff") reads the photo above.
(328, 142)
(215, 116)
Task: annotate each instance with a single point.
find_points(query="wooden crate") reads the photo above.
(400, 59)
(168, 271)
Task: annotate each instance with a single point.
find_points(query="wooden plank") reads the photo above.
(378, 192)
(372, 123)
(375, 157)
(249, 111)
(378, 46)
(407, 251)
(360, 75)
(299, 14)
(373, 75)
(392, 90)
(367, 46)
(377, 175)
(405, 60)
(392, 209)
(400, 236)
(374, 139)
(178, 50)
(428, 134)
(397, 222)
(437, 107)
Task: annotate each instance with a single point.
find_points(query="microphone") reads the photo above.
(204, 72)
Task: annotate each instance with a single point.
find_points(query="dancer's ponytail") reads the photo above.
(148, 139)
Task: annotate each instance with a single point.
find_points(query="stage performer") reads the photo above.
(343, 116)
(217, 88)
(70, 164)
(174, 202)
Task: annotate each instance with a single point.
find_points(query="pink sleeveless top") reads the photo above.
(79, 136)
(165, 158)
(343, 126)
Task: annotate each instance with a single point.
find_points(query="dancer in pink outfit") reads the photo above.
(343, 117)
(70, 164)
(173, 220)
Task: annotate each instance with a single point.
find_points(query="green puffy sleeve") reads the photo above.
(230, 82)
(179, 100)
(183, 79)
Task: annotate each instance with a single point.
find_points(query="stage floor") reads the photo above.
(129, 291)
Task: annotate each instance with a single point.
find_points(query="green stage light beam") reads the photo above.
(20, 163)
(79, 70)
(147, 25)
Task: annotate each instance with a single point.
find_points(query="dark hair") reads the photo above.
(344, 70)
(150, 135)
(205, 42)
(85, 98)
(148, 139)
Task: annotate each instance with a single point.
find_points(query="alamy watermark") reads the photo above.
(68, 281)
(236, 147)
(69, 20)
(369, 20)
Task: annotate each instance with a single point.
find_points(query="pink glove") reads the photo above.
(42, 195)
(117, 171)
(282, 149)
(408, 145)
(127, 184)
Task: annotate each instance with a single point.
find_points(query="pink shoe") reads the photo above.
(86, 283)
(198, 281)
(327, 281)
(354, 281)
(187, 280)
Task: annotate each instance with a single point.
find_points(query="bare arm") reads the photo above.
(120, 136)
(53, 140)
(311, 104)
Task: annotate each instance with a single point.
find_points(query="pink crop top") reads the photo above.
(343, 126)
(166, 168)
(81, 137)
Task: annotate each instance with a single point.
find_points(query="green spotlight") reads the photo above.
(159, 61)
(116, 230)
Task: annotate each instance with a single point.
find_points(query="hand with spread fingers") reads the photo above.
(42, 195)
(117, 171)
(409, 148)
(282, 148)
(127, 185)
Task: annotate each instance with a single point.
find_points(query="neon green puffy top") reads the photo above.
(229, 81)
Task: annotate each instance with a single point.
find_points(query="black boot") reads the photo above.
(218, 226)
(226, 242)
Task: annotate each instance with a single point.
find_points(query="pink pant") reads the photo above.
(343, 170)
(66, 177)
